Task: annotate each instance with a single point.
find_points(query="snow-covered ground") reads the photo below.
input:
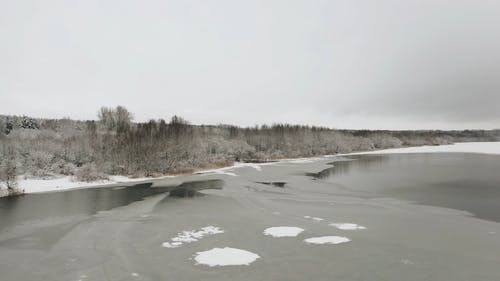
(225, 256)
(283, 231)
(64, 183)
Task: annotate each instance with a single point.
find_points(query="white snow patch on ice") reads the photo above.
(189, 236)
(348, 226)
(229, 170)
(314, 218)
(463, 147)
(253, 165)
(283, 231)
(327, 240)
(225, 256)
(220, 171)
(407, 261)
(304, 160)
(225, 173)
(135, 274)
(172, 244)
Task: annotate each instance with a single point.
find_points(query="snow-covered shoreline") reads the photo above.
(459, 147)
(66, 182)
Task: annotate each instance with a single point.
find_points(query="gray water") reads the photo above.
(428, 217)
(469, 182)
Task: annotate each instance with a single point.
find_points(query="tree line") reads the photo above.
(115, 145)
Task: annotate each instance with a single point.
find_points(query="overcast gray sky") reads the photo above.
(388, 64)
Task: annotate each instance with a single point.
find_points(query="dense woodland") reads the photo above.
(114, 145)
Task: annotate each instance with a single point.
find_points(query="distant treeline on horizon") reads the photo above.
(114, 145)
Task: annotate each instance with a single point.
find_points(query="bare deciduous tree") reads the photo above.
(8, 168)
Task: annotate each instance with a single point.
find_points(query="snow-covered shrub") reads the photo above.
(382, 141)
(25, 134)
(8, 169)
(62, 167)
(114, 168)
(240, 150)
(38, 163)
(89, 173)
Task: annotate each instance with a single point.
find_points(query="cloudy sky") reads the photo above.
(347, 64)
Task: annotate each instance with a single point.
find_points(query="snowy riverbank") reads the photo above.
(65, 183)
(461, 147)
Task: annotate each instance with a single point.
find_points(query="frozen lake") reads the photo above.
(374, 217)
